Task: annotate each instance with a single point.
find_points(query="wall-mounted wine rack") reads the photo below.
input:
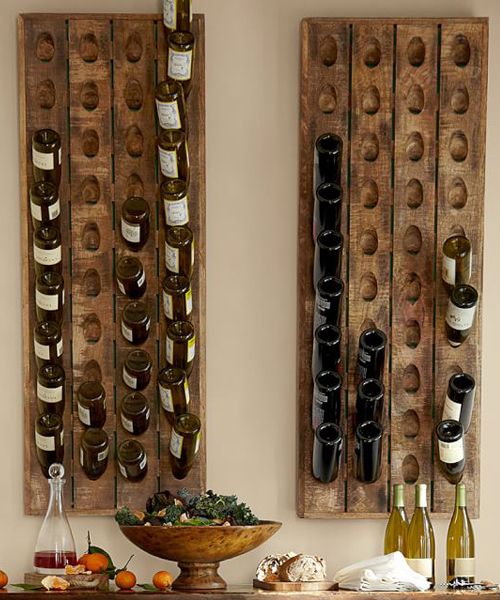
(92, 79)
(408, 99)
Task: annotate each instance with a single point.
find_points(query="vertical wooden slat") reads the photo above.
(324, 103)
(370, 219)
(416, 106)
(461, 180)
(92, 229)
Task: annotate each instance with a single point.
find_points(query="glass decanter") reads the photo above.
(55, 546)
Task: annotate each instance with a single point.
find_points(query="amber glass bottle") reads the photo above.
(49, 296)
(94, 451)
(50, 389)
(45, 207)
(177, 15)
(171, 105)
(174, 392)
(92, 404)
(136, 322)
(132, 460)
(135, 413)
(181, 344)
(47, 249)
(135, 223)
(46, 155)
(174, 196)
(184, 444)
(179, 251)
(177, 298)
(48, 343)
(181, 58)
(137, 370)
(131, 277)
(49, 441)
(173, 154)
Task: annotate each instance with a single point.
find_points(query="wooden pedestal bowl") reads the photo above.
(198, 550)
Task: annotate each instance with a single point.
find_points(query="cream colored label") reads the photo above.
(127, 332)
(451, 410)
(36, 211)
(168, 305)
(84, 414)
(47, 257)
(323, 303)
(171, 258)
(168, 163)
(42, 350)
(166, 399)
(421, 565)
(43, 160)
(169, 14)
(449, 269)
(460, 318)
(59, 347)
(46, 443)
(103, 455)
(179, 64)
(128, 379)
(121, 287)
(127, 424)
(49, 395)
(54, 210)
(131, 232)
(191, 349)
(176, 442)
(451, 452)
(46, 301)
(189, 302)
(168, 115)
(177, 212)
(465, 567)
(170, 351)
(186, 391)
(123, 470)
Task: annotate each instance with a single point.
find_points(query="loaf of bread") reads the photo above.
(303, 567)
(268, 567)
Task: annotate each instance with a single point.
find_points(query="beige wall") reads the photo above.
(252, 127)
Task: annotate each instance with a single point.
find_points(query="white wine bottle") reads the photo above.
(396, 532)
(460, 551)
(421, 544)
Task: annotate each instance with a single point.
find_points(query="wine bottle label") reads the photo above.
(128, 379)
(43, 160)
(191, 349)
(166, 399)
(168, 163)
(169, 14)
(127, 332)
(142, 279)
(171, 258)
(451, 410)
(323, 303)
(449, 270)
(36, 211)
(42, 350)
(460, 318)
(102, 455)
(121, 287)
(179, 64)
(168, 115)
(123, 470)
(170, 351)
(186, 391)
(189, 301)
(363, 355)
(131, 232)
(46, 301)
(44, 442)
(320, 398)
(49, 395)
(47, 257)
(421, 565)
(84, 414)
(176, 442)
(168, 305)
(127, 424)
(54, 210)
(59, 347)
(177, 212)
(465, 567)
(143, 462)
(451, 452)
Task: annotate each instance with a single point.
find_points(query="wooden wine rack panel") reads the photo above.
(92, 79)
(413, 174)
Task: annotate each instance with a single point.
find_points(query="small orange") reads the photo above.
(4, 580)
(96, 563)
(83, 559)
(125, 580)
(162, 580)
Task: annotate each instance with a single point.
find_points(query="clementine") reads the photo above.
(125, 580)
(83, 560)
(162, 580)
(96, 563)
(4, 580)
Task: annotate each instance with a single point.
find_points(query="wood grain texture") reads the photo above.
(92, 95)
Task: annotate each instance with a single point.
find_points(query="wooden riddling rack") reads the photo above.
(408, 99)
(92, 79)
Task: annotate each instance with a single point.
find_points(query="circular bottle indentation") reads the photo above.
(411, 424)
(133, 47)
(373, 53)
(135, 187)
(92, 371)
(415, 99)
(89, 48)
(370, 147)
(327, 100)
(368, 287)
(134, 141)
(89, 95)
(416, 51)
(459, 146)
(411, 379)
(412, 333)
(46, 93)
(367, 324)
(412, 240)
(328, 51)
(460, 50)
(457, 194)
(91, 190)
(414, 193)
(412, 287)
(369, 241)
(133, 95)
(45, 47)
(369, 193)
(371, 100)
(91, 238)
(459, 100)
(414, 146)
(92, 330)
(457, 230)
(411, 470)
(92, 283)
(90, 143)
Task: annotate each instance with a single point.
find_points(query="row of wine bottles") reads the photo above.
(415, 538)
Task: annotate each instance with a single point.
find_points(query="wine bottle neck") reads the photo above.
(398, 500)
(421, 496)
(460, 497)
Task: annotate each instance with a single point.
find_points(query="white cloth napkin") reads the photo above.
(389, 572)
